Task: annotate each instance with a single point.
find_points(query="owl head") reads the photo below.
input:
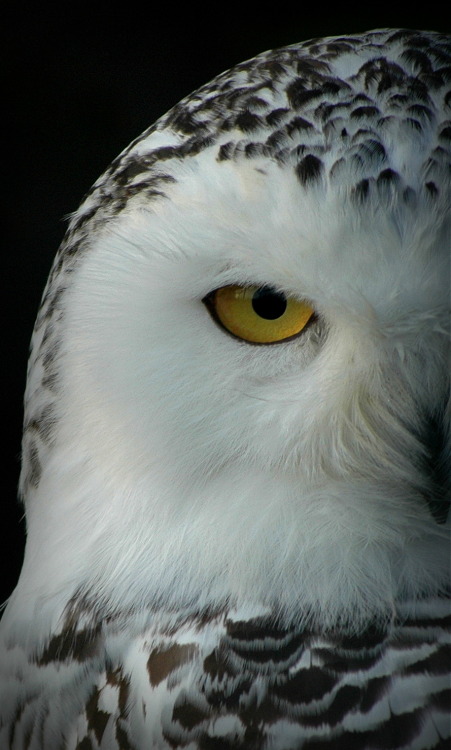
(239, 380)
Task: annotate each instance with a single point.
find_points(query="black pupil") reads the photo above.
(268, 303)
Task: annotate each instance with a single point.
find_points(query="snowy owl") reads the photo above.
(237, 429)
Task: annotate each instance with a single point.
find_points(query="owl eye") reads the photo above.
(258, 314)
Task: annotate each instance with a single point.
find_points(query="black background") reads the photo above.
(79, 86)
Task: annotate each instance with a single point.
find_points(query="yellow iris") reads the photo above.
(258, 314)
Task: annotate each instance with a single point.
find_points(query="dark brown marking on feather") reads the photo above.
(218, 743)
(231, 699)
(309, 169)
(50, 381)
(361, 190)
(216, 667)
(274, 68)
(188, 715)
(371, 637)
(254, 736)
(248, 630)
(339, 47)
(298, 124)
(420, 110)
(130, 170)
(445, 133)
(343, 663)
(97, 719)
(325, 111)
(401, 35)
(78, 645)
(362, 134)
(376, 149)
(364, 112)
(414, 123)
(398, 100)
(33, 463)
(196, 145)
(276, 116)
(54, 300)
(84, 744)
(163, 153)
(312, 69)
(361, 97)
(432, 188)
(226, 151)
(439, 153)
(436, 663)
(256, 712)
(369, 152)
(252, 150)
(248, 121)
(419, 41)
(163, 661)
(421, 622)
(260, 651)
(388, 177)
(346, 700)
(418, 59)
(337, 167)
(15, 722)
(257, 102)
(276, 139)
(49, 331)
(50, 355)
(373, 692)
(145, 187)
(123, 738)
(117, 679)
(381, 73)
(398, 731)
(185, 122)
(299, 96)
(442, 700)
(306, 685)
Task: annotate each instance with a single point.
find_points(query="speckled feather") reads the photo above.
(334, 112)
(218, 682)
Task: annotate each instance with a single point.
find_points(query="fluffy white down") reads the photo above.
(196, 468)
